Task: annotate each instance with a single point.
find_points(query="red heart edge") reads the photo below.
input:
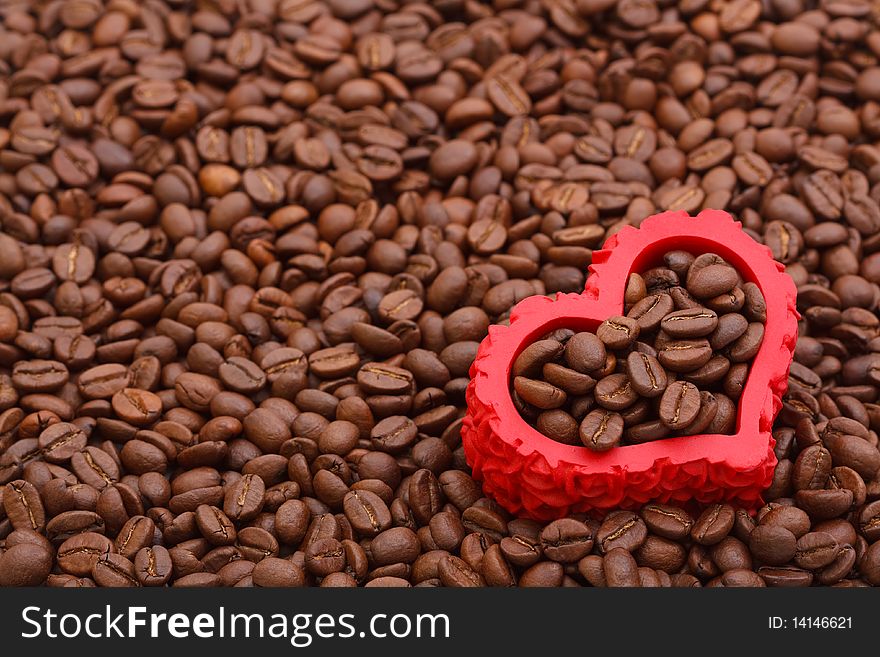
(533, 476)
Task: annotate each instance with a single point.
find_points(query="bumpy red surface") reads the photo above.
(533, 476)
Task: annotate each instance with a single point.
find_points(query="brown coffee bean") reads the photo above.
(689, 323)
(601, 430)
(816, 550)
(539, 393)
(667, 521)
(79, 554)
(153, 566)
(618, 332)
(23, 506)
(244, 500)
(366, 511)
(646, 375)
(714, 523)
(679, 404)
(620, 569)
(114, 570)
(772, 544)
(621, 529)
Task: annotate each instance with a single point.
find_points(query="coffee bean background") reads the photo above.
(249, 250)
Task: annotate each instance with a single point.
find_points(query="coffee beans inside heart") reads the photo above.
(674, 365)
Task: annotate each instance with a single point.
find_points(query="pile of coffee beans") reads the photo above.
(675, 365)
(248, 251)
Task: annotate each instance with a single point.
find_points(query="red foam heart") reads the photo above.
(531, 475)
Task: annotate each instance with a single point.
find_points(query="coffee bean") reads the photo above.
(60, 441)
(615, 392)
(533, 358)
(153, 566)
(366, 511)
(618, 332)
(114, 570)
(136, 406)
(689, 323)
(650, 311)
(538, 393)
(79, 554)
(23, 506)
(667, 521)
(375, 378)
(772, 544)
(816, 550)
(570, 381)
(620, 569)
(275, 572)
(714, 524)
(646, 375)
(245, 499)
(558, 425)
(39, 375)
(584, 352)
(25, 565)
(601, 430)
(393, 434)
(622, 529)
(134, 536)
(566, 540)
(395, 545)
(541, 575)
(679, 404)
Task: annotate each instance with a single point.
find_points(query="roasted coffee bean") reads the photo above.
(79, 554)
(714, 523)
(646, 375)
(772, 544)
(618, 332)
(621, 529)
(23, 506)
(615, 392)
(114, 570)
(539, 393)
(620, 569)
(650, 311)
(679, 404)
(558, 425)
(667, 521)
(393, 434)
(367, 512)
(39, 375)
(566, 540)
(570, 381)
(245, 498)
(533, 358)
(689, 323)
(584, 352)
(601, 430)
(136, 406)
(685, 355)
(136, 534)
(153, 566)
(60, 441)
(275, 572)
(816, 550)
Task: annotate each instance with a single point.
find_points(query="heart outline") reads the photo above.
(531, 475)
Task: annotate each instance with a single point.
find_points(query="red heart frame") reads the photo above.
(531, 475)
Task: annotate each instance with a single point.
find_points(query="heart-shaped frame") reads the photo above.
(533, 476)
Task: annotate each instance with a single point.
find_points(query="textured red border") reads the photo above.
(533, 476)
